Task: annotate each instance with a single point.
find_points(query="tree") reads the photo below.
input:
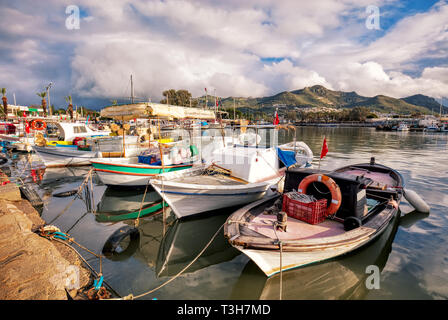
(43, 94)
(179, 98)
(5, 103)
(70, 106)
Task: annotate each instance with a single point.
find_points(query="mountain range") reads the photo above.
(319, 96)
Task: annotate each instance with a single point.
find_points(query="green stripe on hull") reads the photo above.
(132, 215)
(142, 170)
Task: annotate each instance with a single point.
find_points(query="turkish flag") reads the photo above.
(276, 120)
(324, 151)
(27, 127)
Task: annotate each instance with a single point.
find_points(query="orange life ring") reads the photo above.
(336, 196)
(42, 125)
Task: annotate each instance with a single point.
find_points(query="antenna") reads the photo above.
(132, 90)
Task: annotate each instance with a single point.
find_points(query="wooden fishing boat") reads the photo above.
(200, 189)
(129, 172)
(338, 279)
(369, 195)
(54, 157)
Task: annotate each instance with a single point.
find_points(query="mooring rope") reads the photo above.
(137, 220)
(132, 297)
(97, 291)
(80, 188)
(280, 245)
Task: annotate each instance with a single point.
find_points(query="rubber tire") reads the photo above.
(351, 223)
(109, 248)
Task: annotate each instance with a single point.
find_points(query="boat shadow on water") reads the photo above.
(185, 239)
(341, 278)
(126, 204)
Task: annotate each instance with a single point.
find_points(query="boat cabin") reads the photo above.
(67, 131)
(7, 128)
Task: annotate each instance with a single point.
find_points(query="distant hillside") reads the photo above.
(387, 104)
(425, 101)
(319, 96)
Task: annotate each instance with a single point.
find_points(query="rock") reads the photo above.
(10, 191)
(32, 267)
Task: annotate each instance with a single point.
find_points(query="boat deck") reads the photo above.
(296, 229)
(218, 180)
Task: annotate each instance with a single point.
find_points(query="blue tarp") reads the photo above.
(287, 157)
(147, 160)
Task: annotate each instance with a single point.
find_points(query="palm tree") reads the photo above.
(70, 106)
(43, 94)
(5, 103)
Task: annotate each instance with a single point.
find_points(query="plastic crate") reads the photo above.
(312, 213)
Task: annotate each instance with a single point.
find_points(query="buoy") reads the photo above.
(416, 201)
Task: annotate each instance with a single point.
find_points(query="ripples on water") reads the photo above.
(412, 254)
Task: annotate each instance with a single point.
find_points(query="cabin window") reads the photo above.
(79, 129)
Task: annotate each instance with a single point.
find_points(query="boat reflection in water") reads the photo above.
(185, 238)
(123, 204)
(340, 278)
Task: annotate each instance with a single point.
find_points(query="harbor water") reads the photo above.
(411, 255)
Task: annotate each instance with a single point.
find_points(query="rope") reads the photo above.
(178, 274)
(80, 188)
(280, 245)
(97, 291)
(136, 221)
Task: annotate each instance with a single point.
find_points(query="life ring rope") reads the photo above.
(336, 196)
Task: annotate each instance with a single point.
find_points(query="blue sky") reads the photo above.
(249, 48)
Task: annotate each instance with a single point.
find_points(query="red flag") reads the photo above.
(27, 127)
(24, 114)
(276, 120)
(324, 151)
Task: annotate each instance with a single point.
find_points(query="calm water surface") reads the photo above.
(412, 254)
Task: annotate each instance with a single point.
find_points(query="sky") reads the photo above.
(233, 48)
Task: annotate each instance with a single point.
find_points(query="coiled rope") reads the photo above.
(98, 291)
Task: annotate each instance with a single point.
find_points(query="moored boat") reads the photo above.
(129, 172)
(53, 156)
(199, 189)
(367, 201)
(403, 127)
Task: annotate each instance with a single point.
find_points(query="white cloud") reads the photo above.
(196, 44)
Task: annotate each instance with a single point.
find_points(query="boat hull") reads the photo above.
(120, 174)
(189, 200)
(299, 248)
(54, 157)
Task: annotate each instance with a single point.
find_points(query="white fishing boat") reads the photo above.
(444, 127)
(197, 190)
(54, 157)
(403, 127)
(432, 128)
(246, 174)
(130, 172)
(363, 200)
